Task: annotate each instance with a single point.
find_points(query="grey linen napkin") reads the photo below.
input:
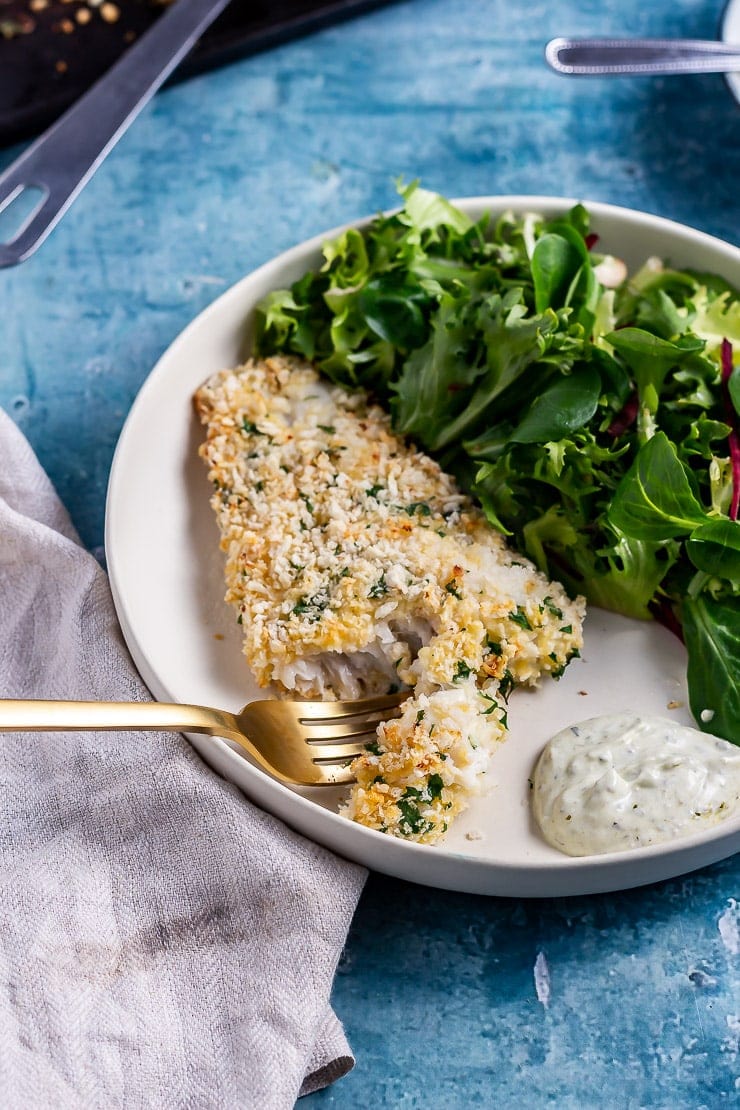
(163, 943)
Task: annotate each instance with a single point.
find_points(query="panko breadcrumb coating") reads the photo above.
(356, 566)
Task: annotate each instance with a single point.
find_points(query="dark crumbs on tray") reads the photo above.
(51, 51)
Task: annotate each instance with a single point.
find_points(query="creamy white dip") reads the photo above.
(623, 781)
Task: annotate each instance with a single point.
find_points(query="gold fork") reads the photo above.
(304, 743)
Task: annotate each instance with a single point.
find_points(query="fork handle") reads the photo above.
(62, 160)
(46, 715)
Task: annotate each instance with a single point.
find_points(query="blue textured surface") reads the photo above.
(628, 1000)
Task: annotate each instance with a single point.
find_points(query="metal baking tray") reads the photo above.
(51, 51)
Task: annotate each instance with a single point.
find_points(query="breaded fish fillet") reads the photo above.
(355, 566)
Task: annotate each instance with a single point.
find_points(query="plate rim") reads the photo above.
(367, 847)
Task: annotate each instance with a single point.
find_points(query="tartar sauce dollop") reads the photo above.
(623, 781)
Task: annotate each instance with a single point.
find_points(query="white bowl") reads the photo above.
(167, 579)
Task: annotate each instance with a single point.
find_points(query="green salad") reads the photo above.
(597, 426)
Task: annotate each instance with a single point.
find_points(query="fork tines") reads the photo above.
(352, 721)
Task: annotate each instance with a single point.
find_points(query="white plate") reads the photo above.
(730, 33)
(167, 578)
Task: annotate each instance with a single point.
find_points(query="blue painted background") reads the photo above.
(625, 1001)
